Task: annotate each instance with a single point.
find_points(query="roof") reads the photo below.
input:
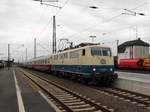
(138, 42)
(69, 50)
(79, 48)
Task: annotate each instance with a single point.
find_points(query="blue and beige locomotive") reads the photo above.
(87, 63)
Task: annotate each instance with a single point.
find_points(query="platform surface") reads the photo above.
(32, 100)
(8, 98)
(134, 76)
(137, 82)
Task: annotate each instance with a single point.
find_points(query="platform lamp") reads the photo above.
(1, 55)
(92, 37)
(133, 13)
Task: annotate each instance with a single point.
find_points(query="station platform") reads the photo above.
(137, 82)
(135, 76)
(17, 96)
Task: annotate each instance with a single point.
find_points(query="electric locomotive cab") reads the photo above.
(103, 63)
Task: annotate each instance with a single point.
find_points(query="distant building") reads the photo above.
(133, 49)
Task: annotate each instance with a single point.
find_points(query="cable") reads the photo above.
(107, 20)
(44, 28)
(43, 47)
(62, 7)
(140, 5)
(94, 25)
(41, 15)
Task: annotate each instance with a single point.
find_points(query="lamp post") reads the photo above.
(26, 54)
(117, 47)
(93, 7)
(1, 55)
(18, 51)
(92, 37)
(130, 12)
(8, 62)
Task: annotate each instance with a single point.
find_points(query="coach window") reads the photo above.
(46, 61)
(83, 52)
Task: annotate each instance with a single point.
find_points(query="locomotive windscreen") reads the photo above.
(100, 51)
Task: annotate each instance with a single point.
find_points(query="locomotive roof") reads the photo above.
(44, 57)
(89, 46)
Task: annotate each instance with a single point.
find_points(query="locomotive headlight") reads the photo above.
(111, 69)
(94, 69)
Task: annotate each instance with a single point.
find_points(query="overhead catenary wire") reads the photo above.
(50, 20)
(41, 15)
(109, 20)
(84, 30)
(140, 5)
(43, 47)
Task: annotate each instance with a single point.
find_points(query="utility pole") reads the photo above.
(117, 47)
(54, 21)
(54, 35)
(34, 47)
(8, 63)
(136, 32)
(26, 54)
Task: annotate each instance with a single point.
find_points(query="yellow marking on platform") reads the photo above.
(19, 97)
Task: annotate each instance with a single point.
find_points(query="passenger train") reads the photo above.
(89, 63)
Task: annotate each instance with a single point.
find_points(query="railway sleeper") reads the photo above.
(85, 109)
(64, 99)
(80, 106)
(75, 103)
(71, 101)
(62, 95)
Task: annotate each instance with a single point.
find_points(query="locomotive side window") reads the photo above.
(83, 52)
(100, 51)
(96, 51)
(106, 52)
(65, 55)
(74, 54)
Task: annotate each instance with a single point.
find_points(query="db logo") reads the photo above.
(103, 61)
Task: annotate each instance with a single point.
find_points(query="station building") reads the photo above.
(133, 49)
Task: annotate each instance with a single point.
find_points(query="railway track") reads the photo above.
(65, 99)
(134, 98)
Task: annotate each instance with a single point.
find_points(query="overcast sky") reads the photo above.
(22, 21)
